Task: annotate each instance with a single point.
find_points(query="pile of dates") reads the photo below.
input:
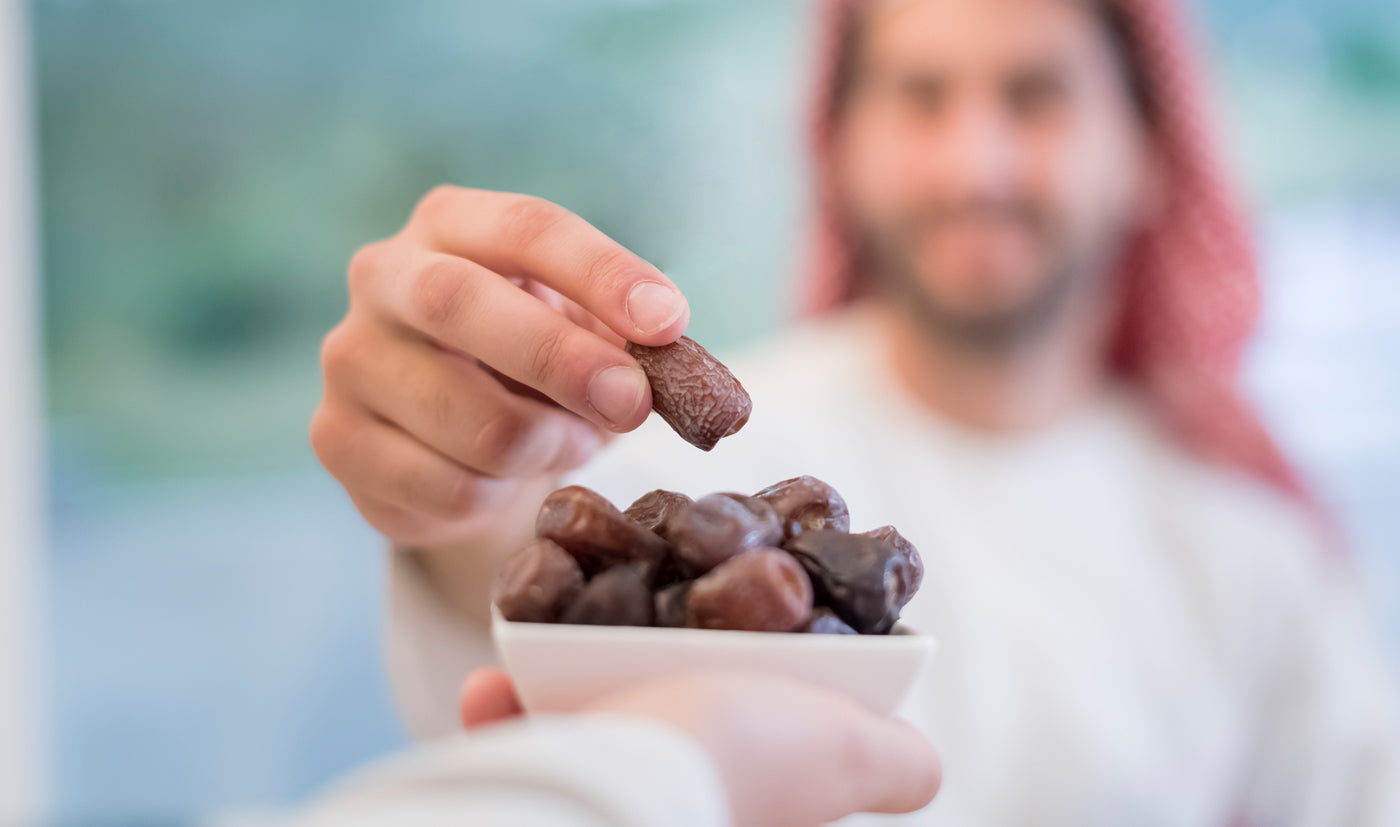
(781, 560)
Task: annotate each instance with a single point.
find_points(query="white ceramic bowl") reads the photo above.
(559, 667)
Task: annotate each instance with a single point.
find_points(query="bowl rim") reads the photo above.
(901, 636)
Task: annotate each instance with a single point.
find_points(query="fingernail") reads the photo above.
(652, 306)
(616, 393)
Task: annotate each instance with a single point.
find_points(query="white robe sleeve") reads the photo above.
(1329, 748)
(430, 648)
(588, 771)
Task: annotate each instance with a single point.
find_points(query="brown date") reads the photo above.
(864, 580)
(590, 528)
(889, 534)
(535, 583)
(806, 504)
(653, 509)
(782, 560)
(716, 527)
(763, 590)
(619, 596)
(690, 389)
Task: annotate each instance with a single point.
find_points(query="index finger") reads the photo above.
(528, 237)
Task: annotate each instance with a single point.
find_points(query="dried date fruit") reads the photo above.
(766, 528)
(807, 504)
(536, 583)
(619, 596)
(590, 528)
(669, 572)
(716, 527)
(764, 590)
(864, 580)
(690, 389)
(889, 534)
(670, 604)
(825, 622)
(781, 560)
(653, 509)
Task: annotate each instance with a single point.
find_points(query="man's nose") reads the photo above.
(979, 156)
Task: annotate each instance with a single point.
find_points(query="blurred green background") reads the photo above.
(209, 167)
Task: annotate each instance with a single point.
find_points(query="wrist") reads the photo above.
(461, 570)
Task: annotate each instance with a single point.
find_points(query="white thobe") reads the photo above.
(1128, 636)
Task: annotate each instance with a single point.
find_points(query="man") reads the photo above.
(1030, 292)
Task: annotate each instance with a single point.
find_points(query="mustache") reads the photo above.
(932, 215)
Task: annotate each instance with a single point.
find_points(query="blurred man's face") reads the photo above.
(992, 159)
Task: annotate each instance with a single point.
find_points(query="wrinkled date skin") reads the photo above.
(590, 528)
(716, 527)
(671, 604)
(764, 590)
(890, 535)
(654, 509)
(825, 622)
(619, 596)
(807, 504)
(864, 580)
(696, 394)
(536, 583)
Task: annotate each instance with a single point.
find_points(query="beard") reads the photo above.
(1062, 273)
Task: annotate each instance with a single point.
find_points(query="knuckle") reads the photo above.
(543, 354)
(327, 436)
(338, 353)
(609, 270)
(442, 408)
(439, 294)
(364, 266)
(528, 218)
(437, 202)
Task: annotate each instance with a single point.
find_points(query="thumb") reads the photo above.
(488, 696)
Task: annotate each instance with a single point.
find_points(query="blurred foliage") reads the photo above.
(208, 168)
